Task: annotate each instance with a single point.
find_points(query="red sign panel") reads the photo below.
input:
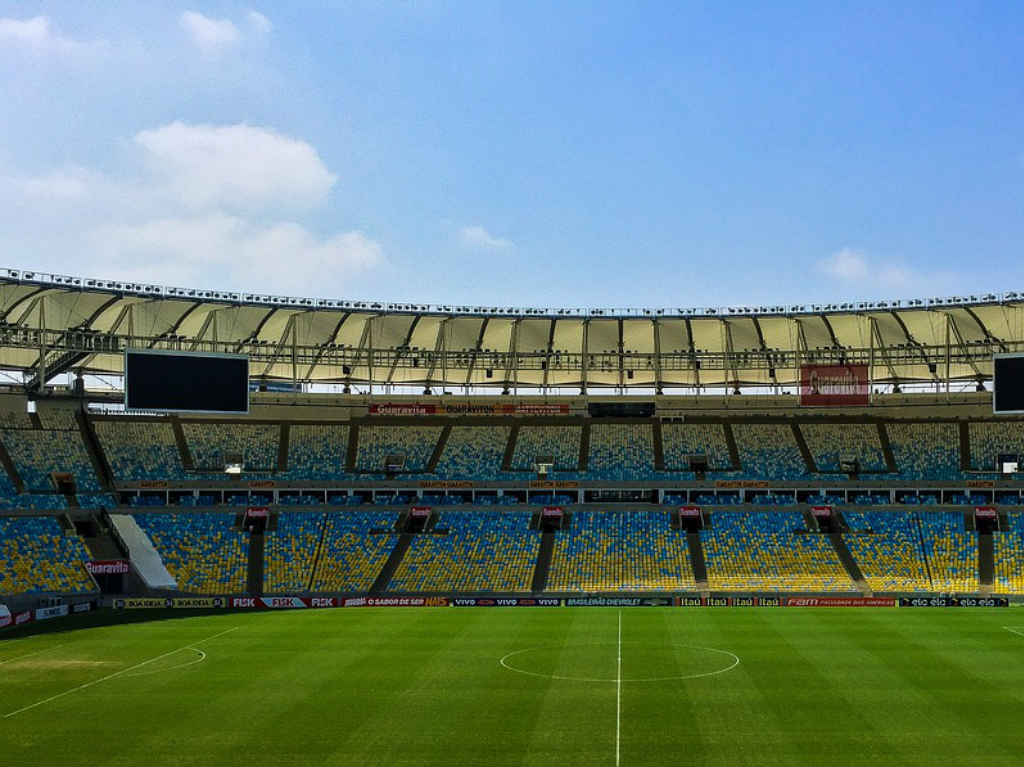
(257, 511)
(834, 385)
(985, 512)
(821, 511)
(108, 567)
(419, 511)
(689, 511)
(552, 511)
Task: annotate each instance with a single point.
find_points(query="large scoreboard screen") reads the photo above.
(1008, 383)
(186, 382)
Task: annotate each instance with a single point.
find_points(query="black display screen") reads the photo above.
(1008, 396)
(178, 381)
(621, 410)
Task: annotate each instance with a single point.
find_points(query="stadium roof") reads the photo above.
(53, 323)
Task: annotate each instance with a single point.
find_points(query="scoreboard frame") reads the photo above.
(995, 382)
(194, 355)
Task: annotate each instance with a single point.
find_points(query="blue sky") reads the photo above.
(572, 154)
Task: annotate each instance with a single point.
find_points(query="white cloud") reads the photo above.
(214, 36)
(235, 166)
(37, 35)
(854, 268)
(210, 205)
(479, 238)
(846, 264)
(282, 257)
(209, 35)
(259, 23)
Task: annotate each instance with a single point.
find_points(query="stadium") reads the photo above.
(766, 534)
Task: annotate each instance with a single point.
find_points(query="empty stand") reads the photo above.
(621, 551)
(482, 551)
(201, 550)
(36, 556)
(756, 551)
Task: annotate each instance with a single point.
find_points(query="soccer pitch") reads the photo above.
(489, 686)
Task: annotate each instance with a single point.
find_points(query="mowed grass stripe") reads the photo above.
(423, 686)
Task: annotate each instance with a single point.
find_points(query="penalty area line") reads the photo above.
(1013, 630)
(116, 674)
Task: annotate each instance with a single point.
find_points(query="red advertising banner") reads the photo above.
(821, 511)
(689, 511)
(552, 511)
(985, 512)
(419, 511)
(834, 385)
(257, 511)
(108, 567)
(838, 602)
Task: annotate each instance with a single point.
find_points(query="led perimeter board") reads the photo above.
(1008, 383)
(185, 382)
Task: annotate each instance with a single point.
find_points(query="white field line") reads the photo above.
(116, 674)
(1013, 630)
(618, 696)
(29, 655)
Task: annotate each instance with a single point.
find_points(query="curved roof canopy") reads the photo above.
(72, 323)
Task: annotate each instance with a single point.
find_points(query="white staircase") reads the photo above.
(145, 559)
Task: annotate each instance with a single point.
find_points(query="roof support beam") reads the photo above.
(282, 344)
(476, 351)
(692, 351)
(881, 349)
(984, 329)
(547, 355)
(656, 327)
(329, 343)
(403, 350)
(440, 346)
(913, 342)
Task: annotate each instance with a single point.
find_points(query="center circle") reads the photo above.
(600, 662)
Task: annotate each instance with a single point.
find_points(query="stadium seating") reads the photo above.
(351, 556)
(681, 440)
(989, 439)
(831, 443)
(472, 452)
(35, 556)
(376, 443)
(621, 451)
(759, 550)
(200, 550)
(482, 551)
(560, 442)
(890, 556)
(37, 454)
(951, 552)
(768, 451)
(1008, 545)
(210, 443)
(140, 450)
(291, 551)
(620, 551)
(317, 451)
(925, 450)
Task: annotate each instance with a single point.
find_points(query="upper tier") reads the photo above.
(87, 323)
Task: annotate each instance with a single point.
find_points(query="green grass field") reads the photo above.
(426, 686)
